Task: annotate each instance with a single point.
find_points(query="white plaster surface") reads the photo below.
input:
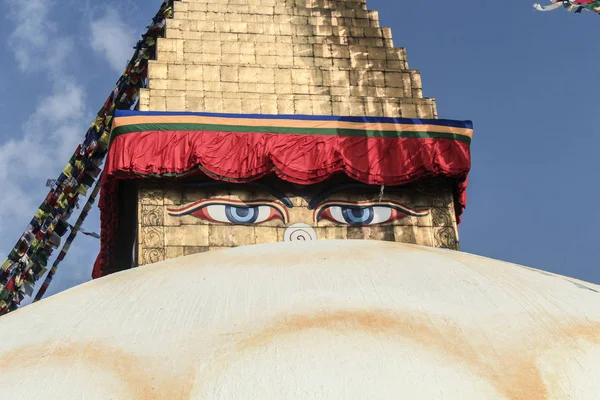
(310, 320)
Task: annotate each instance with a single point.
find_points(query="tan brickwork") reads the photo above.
(320, 57)
(165, 233)
(302, 57)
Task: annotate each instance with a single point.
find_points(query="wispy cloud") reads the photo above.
(113, 39)
(47, 140)
(43, 46)
(51, 133)
(56, 125)
(36, 37)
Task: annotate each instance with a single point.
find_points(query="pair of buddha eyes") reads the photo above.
(256, 212)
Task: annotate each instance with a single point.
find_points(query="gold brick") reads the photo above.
(144, 97)
(408, 110)
(213, 89)
(172, 84)
(415, 78)
(264, 234)
(373, 108)
(356, 109)
(340, 91)
(265, 88)
(220, 236)
(213, 105)
(303, 106)
(247, 59)
(193, 46)
(167, 57)
(173, 252)
(284, 61)
(285, 107)
(406, 234)
(322, 107)
(211, 73)
(187, 235)
(341, 63)
(268, 107)
(229, 74)
(189, 250)
(266, 75)
(266, 60)
(157, 70)
(283, 89)
(160, 84)
(393, 79)
(251, 107)
(232, 105)
(230, 59)
(425, 111)
(158, 103)
(301, 89)
(211, 48)
(233, 87)
(333, 233)
(194, 85)
(341, 108)
(231, 48)
(283, 76)
(248, 87)
(391, 109)
(248, 74)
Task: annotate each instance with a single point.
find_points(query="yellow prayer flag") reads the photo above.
(39, 215)
(68, 171)
(82, 190)
(104, 140)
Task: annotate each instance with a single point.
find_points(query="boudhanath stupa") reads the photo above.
(279, 211)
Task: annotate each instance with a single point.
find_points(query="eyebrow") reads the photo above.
(261, 186)
(325, 194)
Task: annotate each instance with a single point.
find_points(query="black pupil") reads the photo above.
(357, 212)
(242, 211)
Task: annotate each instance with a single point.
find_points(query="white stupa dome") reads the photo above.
(314, 320)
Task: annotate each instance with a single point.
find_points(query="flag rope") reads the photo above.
(576, 6)
(28, 259)
(65, 249)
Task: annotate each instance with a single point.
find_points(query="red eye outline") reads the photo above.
(198, 209)
(398, 211)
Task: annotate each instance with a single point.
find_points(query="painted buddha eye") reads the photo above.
(238, 214)
(364, 213)
(233, 212)
(352, 215)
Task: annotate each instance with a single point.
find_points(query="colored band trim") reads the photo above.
(121, 130)
(386, 120)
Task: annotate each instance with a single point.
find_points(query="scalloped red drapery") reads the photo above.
(298, 149)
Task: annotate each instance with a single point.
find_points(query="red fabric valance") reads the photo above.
(297, 150)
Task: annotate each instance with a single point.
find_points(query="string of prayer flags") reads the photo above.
(92, 234)
(575, 6)
(74, 230)
(28, 260)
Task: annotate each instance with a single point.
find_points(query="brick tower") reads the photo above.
(280, 57)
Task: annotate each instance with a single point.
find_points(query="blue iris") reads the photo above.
(358, 215)
(241, 215)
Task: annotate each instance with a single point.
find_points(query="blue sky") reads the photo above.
(516, 73)
(513, 71)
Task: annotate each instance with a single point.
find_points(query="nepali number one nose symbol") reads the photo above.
(300, 232)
